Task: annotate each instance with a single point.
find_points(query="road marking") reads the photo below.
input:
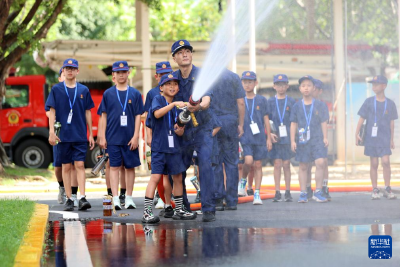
(66, 214)
(76, 249)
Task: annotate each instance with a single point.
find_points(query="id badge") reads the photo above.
(69, 117)
(254, 128)
(170, 140)
(282, 131)
(302, 136)
(374, 131)
(308, 134)
(124, 120)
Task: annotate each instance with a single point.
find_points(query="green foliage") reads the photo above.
(14, 218)
(27, 66)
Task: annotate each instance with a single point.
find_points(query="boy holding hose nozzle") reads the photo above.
(166, 156)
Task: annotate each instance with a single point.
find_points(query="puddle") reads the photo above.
(115, 244)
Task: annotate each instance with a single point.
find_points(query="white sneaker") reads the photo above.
(375, 194)
(129, 204)
(160, 204)
(74, 198)
(61, 195)
(117, 203)
(242, 188)
(257, 200)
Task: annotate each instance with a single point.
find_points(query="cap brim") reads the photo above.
(163, 71)
(249, 78)
(169, 79)
(303, 79)
(120, 69)
(180, 47)
(70, 65)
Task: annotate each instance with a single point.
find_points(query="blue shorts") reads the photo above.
(56, 157)
(377, 152)
(258, 152)
(310, 152)
(69, 152)
(122, 155)
(281, 151)
(166, 163)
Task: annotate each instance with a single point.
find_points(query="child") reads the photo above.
(325, 190)
(380, 113)
(280, 108)
(309, 118)
(121, 109)
(71, 101)
(166, 156)
(254, 141)
(162, 68)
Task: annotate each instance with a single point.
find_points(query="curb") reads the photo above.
(31, 249)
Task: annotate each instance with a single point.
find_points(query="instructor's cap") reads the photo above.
(120, 66)
(307, 77)
(167, 78)
(281, 78)
(163, 67)
(379, 79)
(249, 75)
(70, 62)
(180, 44)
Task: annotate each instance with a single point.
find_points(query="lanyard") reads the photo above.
(126, 99)
(383, 110)
(284, 109)
(308, 117)
(169, 118)
(252, 109)
(76, 89)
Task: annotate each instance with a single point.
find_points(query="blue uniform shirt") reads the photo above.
(58, 99)
(260, 111)
(115, 133)
(163, 126)
(320, 114)
(274, 115)
(149, 97)
(367, 111)
(226, 91)
(185, 91)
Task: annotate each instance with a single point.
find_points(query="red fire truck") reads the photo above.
(24, 127)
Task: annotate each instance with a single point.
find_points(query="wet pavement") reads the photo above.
(274, 234)
(115, 244)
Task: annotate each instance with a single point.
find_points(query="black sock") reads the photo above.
(123, 191)
(61, 184)
(109, 192)
(74, 189)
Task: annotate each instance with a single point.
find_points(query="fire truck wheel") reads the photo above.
(91, 157)
(33, 154)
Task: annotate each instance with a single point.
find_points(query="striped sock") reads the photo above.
(148, 202)
(178, 202)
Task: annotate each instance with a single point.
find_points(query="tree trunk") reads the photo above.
(3, 156)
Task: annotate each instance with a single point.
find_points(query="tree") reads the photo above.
(23, 23)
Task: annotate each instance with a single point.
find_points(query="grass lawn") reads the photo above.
(14, 217)
(14, 173)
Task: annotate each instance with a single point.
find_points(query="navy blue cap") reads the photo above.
(70, 62)
(163, 67)
(307, 77)
(379, 79)
(318, 84)
(167, 78)
(59, 73)
(281, 78)
(180, 44)
(249, 75)
(120, 66)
